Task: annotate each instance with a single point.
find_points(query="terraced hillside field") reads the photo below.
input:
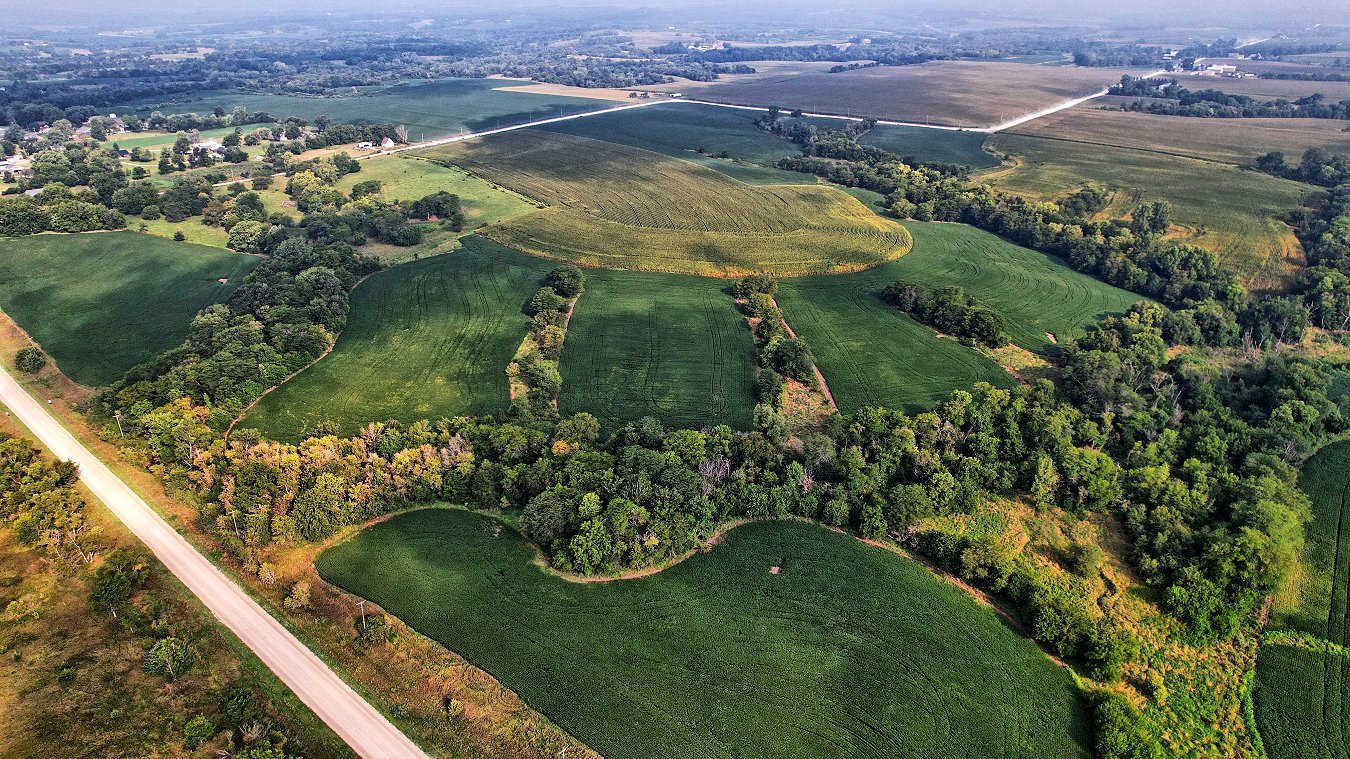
(426, 339)
(617, 206)
(100, 304)
(1302, 696)
(1234, 212)
(847, 651)
(671, 346)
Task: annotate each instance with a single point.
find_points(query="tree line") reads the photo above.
(1169, 98)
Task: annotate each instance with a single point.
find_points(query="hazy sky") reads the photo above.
(1287, 15)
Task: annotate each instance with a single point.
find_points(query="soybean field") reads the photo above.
(425, 339)
(787, 639)
(1302, 693)
(665, 345)
(99, 304)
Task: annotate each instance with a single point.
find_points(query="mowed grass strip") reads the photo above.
(622, 207)
(665, 345)
(102, 303)
(1302, 697)
(1232, 211)
(426, 339)
(848, 650)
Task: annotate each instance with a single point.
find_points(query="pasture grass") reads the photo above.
(950, 93)
(670, 346)
(102, 303)
(848, 651)
(1302, 697)
(425, 339)
(617, 206)
(1232, 211)
(429, 109)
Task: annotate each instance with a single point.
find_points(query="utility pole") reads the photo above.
(361, 602)
(118, 416)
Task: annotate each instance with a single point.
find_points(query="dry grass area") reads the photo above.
(619, 206)
(567, 90)
(1236, 141)
(952, 93)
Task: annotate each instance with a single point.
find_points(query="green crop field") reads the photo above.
(429, 109)
(1302, 697)
(100, 304)
(679, 130)
(1038, 295)
(618, 206)
(671, 346)
(849, 650)
(932, 145)
(873, 355)
(1234, 212)
(425, 339)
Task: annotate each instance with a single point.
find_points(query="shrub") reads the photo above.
(197, 731)
(755, 283)
(168, 657)
(150, 212)
(567, 281)
(30, 360)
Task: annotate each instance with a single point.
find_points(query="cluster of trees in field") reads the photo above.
(1317, 166)
(950, 310)
(40, 505)
(780, 356)
(536, 364)
(1168, 98)
(1211, 308)
(1324, 285)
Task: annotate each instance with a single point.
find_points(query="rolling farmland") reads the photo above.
(425, 339)
(931, 145)
(665, 345)
(617, 206)
(99, 304)
(873, 355)
(1232, 211)
(848, 651)
(1302, 696)
(429, 109)
(951, 93)
(1235, 141)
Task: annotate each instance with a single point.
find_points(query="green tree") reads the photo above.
(29, 359)
(168, 657)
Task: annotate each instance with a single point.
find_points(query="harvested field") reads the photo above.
(101, 303)
(670, 346)
(952, 93)
(617, 206)
(1289, 89)
(847, 651)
